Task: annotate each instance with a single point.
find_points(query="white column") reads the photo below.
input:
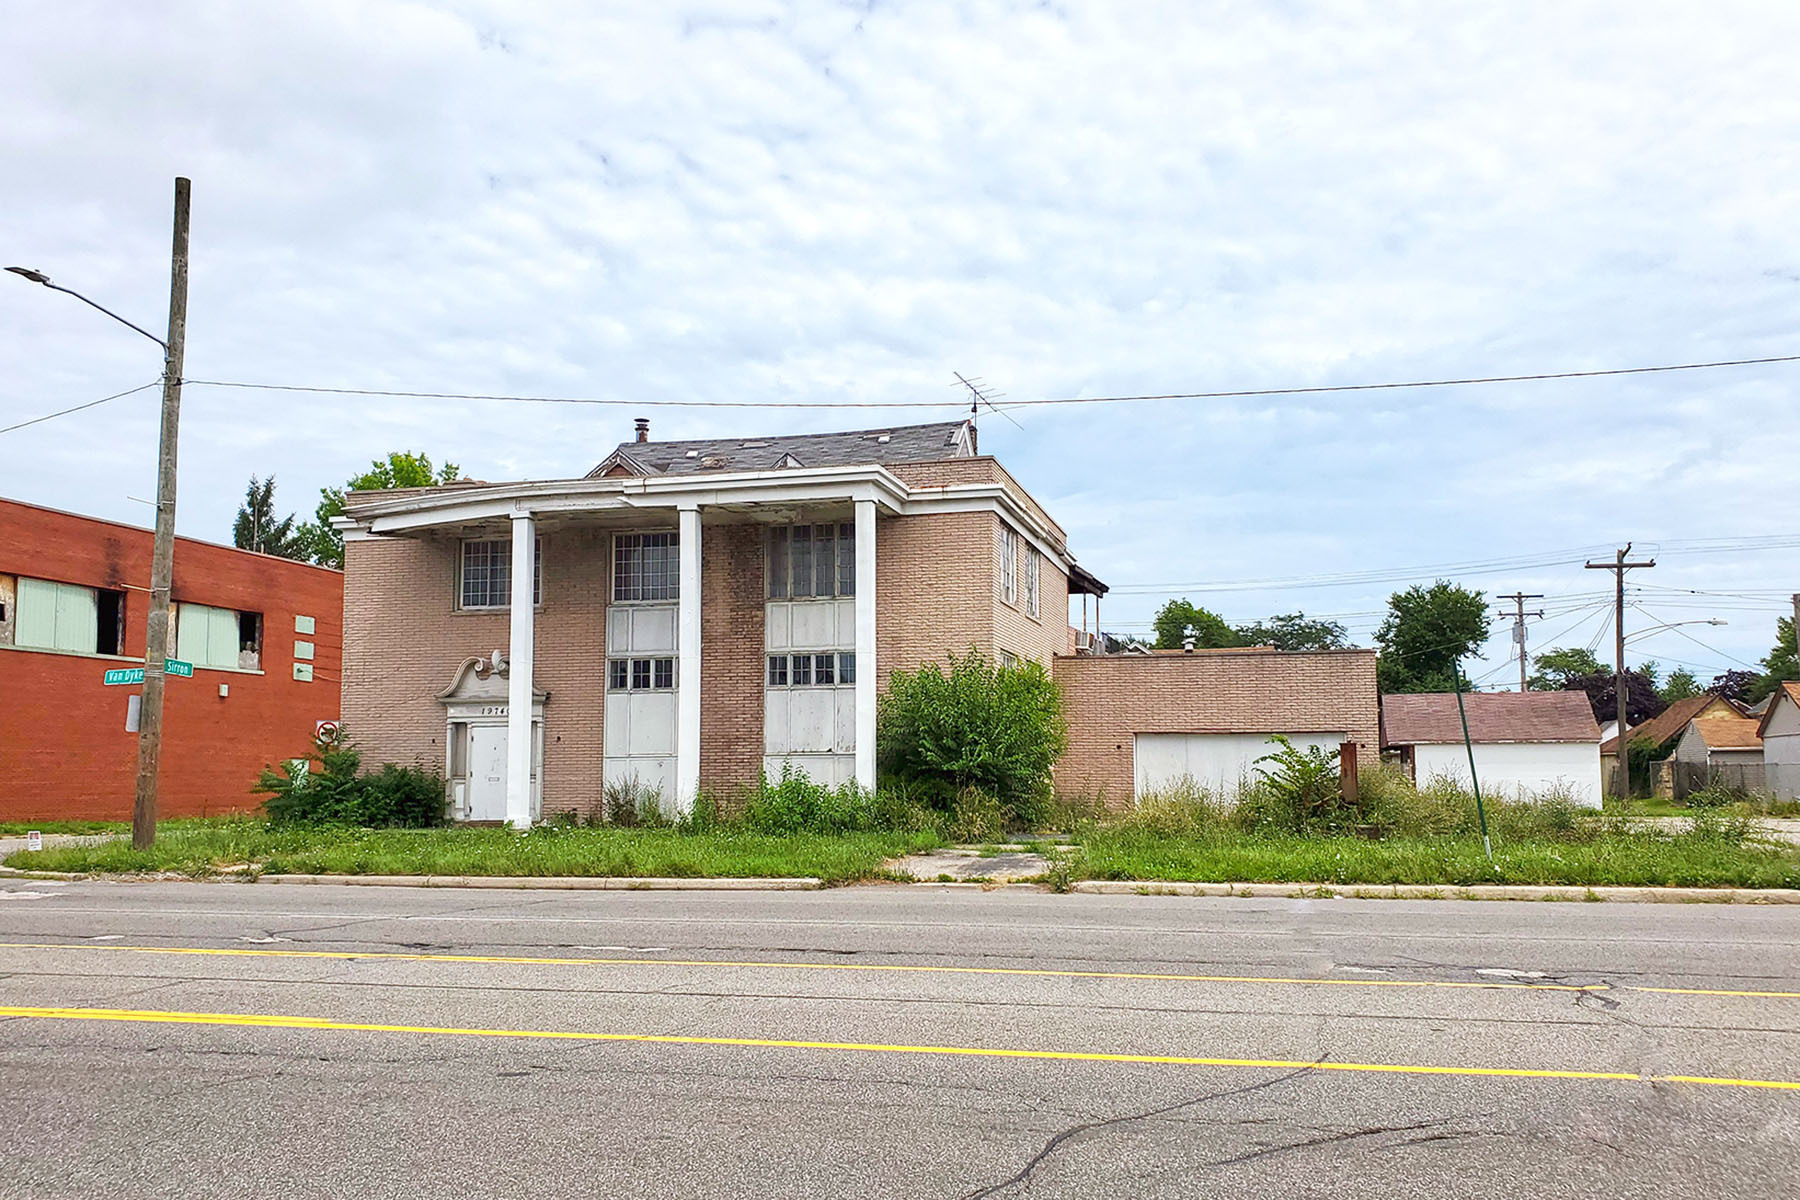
(522, 622)
(687, 643)
(865, 644)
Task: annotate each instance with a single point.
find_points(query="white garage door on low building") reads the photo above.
(1215, 761)
(1528, 745)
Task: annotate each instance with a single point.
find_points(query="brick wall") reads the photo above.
(1040, 638)
(934, 583)
(1109, 699)
(731, 656)
(405, 639)
(64, 752)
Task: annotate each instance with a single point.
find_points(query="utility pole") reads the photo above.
(162, 557)
(1519, 615)
(1621, 763)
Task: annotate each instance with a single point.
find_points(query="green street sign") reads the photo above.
(135, 675)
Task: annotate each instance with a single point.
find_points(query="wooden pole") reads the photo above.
(162, 557)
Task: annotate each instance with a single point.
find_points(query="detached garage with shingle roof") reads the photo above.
(1527, 744)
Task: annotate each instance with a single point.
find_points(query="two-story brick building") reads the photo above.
(263, 635)
(691, 614)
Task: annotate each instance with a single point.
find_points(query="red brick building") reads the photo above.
(265, 636)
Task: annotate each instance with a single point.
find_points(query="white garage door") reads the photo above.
(1213, 760)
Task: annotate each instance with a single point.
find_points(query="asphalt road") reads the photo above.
(375, 1042)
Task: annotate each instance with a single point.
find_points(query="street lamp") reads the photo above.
(162, 555)
(1674, 624)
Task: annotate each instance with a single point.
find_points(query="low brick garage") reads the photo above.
(1112, 699)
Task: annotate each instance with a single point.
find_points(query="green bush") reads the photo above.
(995, 729)
(337, 794)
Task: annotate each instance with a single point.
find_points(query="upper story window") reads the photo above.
(218, 637)
(812, 560)
(1009, 565)
(486, 574)
(1034, 563)
(646, 566)
(67, 617)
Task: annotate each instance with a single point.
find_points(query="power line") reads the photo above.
(1244, 393)
(80, 407)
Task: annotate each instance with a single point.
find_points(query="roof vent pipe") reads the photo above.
(643, 429)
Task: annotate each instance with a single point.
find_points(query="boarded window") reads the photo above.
(59, 616)
(1033, 570)
(1009, 565)
(206, 636)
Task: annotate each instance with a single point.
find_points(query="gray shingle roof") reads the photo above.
(860, 447)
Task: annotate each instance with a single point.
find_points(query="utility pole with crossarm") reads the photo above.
(1621, 763)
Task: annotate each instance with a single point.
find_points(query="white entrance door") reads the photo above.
(487, 772)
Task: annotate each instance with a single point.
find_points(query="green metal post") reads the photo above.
(1480, 809)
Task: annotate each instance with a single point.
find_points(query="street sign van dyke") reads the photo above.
(130, 675)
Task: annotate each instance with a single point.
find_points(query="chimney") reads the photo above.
(643, 429)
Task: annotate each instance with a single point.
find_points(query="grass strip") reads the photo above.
(1626, 859)
(202, 848)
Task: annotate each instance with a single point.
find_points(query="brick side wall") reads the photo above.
(933, 587)
(1110, 699)
(1040, 638)
(731, 657)
(64, 752)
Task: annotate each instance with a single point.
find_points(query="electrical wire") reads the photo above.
(82, 407)
(1245, 393)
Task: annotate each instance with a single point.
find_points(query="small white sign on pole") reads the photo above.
(134, 705)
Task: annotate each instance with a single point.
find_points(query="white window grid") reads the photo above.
(486, 573)
(1033, 574)
(640, 674)
(817, 560)
(832, 668)
(646, 567)
(1009, 565)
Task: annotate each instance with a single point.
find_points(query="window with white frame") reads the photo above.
(646, 567)
(812, 560)
(828, 669)
(1008, 659)
(485, 574)
(640, 674)
(1034, 563)
(1009, 565)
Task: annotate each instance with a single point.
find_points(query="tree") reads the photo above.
(400, 469)
(1426, 631)
(1175, 618)
(1781, 664)
(1735, 685)
(1680, 685)
(257, 529)
(1641, 698)
(1556, 667)
(1292, 631)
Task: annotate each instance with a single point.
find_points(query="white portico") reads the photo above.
(655, 531)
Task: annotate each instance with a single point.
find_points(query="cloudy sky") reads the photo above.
(829, 202)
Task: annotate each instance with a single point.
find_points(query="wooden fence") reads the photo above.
(1695, 777)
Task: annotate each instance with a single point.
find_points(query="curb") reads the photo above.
(1479, 891)
(557, 883)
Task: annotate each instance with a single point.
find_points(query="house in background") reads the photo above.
(1724, 751)
(263, 635)
(686, 614)
(1662, 730)
(1525, 743)
(1779, 728)
(1140, 723)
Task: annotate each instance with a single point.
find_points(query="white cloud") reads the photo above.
(831, 201)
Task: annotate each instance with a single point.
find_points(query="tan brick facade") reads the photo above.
(731, 656)
(1108, 700)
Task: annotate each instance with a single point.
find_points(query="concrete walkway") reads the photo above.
(965, 864)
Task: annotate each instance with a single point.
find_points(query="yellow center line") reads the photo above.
(1035, 972)
(280, 1021)
(1674, 991)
